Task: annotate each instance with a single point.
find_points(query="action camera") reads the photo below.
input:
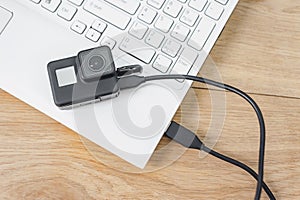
(86, 78)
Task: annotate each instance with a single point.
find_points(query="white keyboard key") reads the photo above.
(154, 38)
(184, 62)
(36, 1)
(198, 4)
(171, 48)
(147, 15)
(129, 6)
(181, 67)
(201, 33)
(189, 17)
(106, 12)
(99, 26)
(173, 8)
(180, 32)
(5, 17)
(107, 41)
(138, 30)
(214, 10)
(189, 55)
(162, 63)
(137, 49)
(164, 23)
(77, 2)
(224, 2)
(66, 11)
(93, 35)
(156, 3)
(51, 5)
(78, 27)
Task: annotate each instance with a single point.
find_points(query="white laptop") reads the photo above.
(164, 36)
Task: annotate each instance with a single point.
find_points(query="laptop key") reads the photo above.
(147, 15)
(129, 6)
(51, 5)
(5, 18)
(155, 39)
(173, 8)
(156, 3)
(138, 30)
(164, 23)
(108, 13)
(137, 49)
(93, 35)
(107, 41)
(180, 32)
(77, 2)
(162, 63)
(198, 4)
(224, 2)
(201, 33)
(171, 48)
(78, 27)
(36, 1)
(214, 10)
(66, 12)
(185, 61)
(99, 26)
(189, 17)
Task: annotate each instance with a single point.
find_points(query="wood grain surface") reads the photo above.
(257, 52)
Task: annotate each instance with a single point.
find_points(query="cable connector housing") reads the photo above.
(183, 136)
(128, 82)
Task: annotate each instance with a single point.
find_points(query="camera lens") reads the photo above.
(96, 63)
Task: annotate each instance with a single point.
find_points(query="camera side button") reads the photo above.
(93, 35)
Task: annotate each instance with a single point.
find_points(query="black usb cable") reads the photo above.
(188, 139)
(134, 81)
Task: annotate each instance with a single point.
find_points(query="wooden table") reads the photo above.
(259, 52)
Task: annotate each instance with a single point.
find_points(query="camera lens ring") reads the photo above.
(96, 63)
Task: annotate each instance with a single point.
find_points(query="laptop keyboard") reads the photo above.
(168, 33)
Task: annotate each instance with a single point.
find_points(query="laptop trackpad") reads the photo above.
(5, 17)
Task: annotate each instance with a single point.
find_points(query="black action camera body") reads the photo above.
(87, 78)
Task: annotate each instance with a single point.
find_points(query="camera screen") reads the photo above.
(66, 76)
